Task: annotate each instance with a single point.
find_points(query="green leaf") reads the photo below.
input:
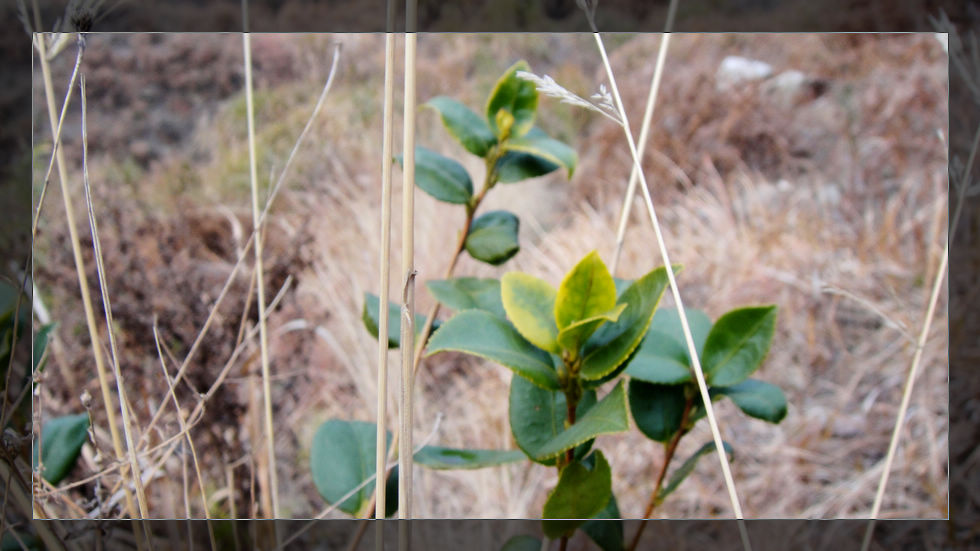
(485, 335)
(343, 456)
(515, 95)
(371, 314)
(588, 290)
(530, 305)
(660, 359)
(580, 494)
(493, 237)
(757, 399)
(613, 343)
(668, 322)
(391, 493)
(41, 344)
(663, 357)
(572, 337)
(441, 177)
(687, 468)
(657, 409)
(522, 543)
(62, 439)
(608, 416)
(514, 166)
(538, 415)
(463, 124)
(737, 344)
(540, 145)
(441, 458)
(467, 293)
(606, 528)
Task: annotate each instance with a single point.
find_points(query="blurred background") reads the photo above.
(807, 171)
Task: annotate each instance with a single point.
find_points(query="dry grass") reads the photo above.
(832, 207)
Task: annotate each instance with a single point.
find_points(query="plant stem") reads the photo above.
(489, 180)
(668, 456)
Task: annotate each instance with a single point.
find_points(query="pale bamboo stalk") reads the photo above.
(273, 483)
(906, 398)
(190, 442)
(644, 134)
(246, 248)
(919, 346)
(685, 326)
(385, 275)
(405, 460)
(107, 309)
(80, 263)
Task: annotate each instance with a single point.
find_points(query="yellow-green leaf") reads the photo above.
(613, 343)
(518, 96)
(530, 306)
(588, 290)
(572, 337)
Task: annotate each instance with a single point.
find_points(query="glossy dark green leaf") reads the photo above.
(515, 166)
(757, 399)
(442, 458)
(62, 439)
(463, 124)
(541, 146)
(485, 335)
(606, 528)
(522, 543)
(687, 468)
(515, 95)
(606, 417)
(668, 322)
(660, 359)
(41, 344)
(657, 409)
(737, 344)
(371, 312)
(581, 493)
(537, 416)
(343, 456)
(613, 343)
(468, 293)
(493, 237)
(441, 177)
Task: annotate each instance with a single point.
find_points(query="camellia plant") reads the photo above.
(513, 150)
(585, 355)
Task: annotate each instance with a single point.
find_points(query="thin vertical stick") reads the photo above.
(408, 270)
(385, 276)
(919, 345)
(272, 489)
(190, 442)
(136, 472)
(906, 397)
(644, 134)
(76, 247)
(685, 326)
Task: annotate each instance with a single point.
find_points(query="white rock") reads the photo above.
(736, 69)
(785, 88)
